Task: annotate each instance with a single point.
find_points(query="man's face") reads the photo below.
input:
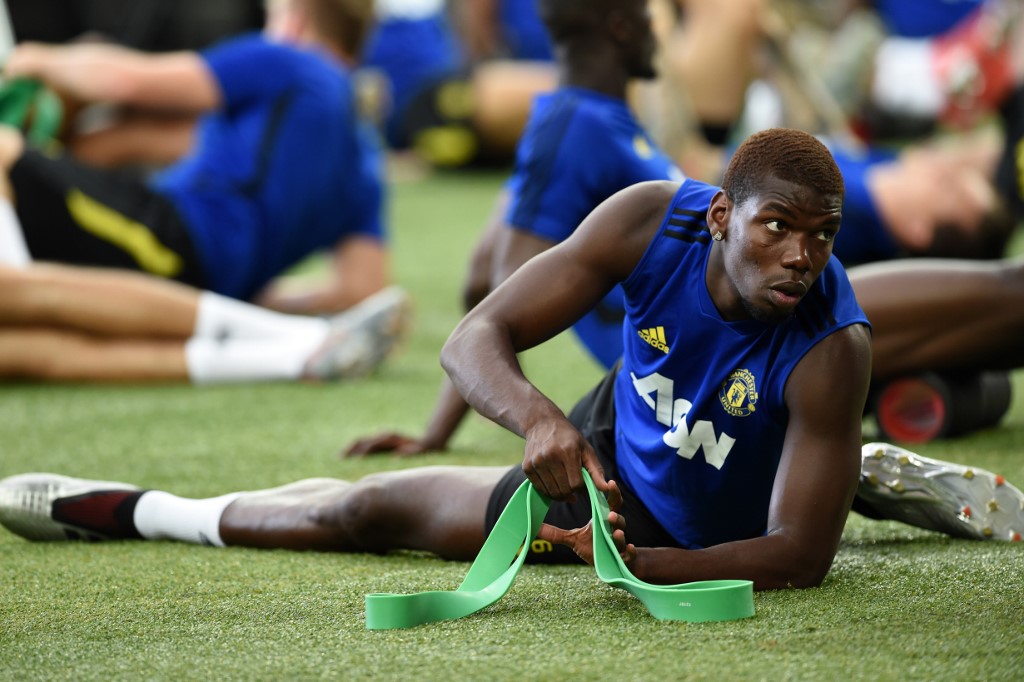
(776, 244)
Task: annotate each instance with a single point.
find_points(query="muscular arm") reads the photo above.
(85, 73)
(359, 269)
(135, 140)
(544, 297)
(814, 486)
(499, 252)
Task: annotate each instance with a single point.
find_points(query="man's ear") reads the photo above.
(718, 213)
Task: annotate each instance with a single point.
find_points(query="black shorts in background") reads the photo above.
(594, 416)
(76, 214)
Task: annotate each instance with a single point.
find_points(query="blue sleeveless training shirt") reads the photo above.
(700, 410)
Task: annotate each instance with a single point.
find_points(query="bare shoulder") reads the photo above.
(838, 365)
(620, 229)
(644, 202)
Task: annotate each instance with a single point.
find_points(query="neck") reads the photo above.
(597, 69)
(307, 37)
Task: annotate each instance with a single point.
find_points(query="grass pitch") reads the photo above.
(899, 604)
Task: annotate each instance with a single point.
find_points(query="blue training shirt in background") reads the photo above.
(284, 168)
(579, 148)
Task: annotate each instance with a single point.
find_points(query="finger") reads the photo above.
(367, 446)
(553, 534)
(408, 446)
(562, 489)
(594, 468)
(572, 478)
(357, 449)
(549, 483)
(629, 555)
(619, 538)
(543, 482)
(614, 496)
(617, 521)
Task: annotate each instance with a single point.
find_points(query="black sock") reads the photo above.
(106, 512)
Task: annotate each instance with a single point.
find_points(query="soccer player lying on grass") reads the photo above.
(583, 144)
(69, 323)
(729, 439)
(263, 161)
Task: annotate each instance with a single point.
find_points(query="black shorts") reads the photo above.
(76, 214)
(438, 122)
(594, 416)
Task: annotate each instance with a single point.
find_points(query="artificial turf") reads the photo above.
(899, 603)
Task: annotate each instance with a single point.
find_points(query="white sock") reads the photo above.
(162, 516)
(13, 250)
(905, 80)
(212, 361)
(219, 317)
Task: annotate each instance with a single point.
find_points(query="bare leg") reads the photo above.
(96, 301)
(943, 314)
(715, 38)
(434, 509)
(504, 93)
(56, 355)
(706, 62)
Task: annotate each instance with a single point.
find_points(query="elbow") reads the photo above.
(799, 575)
(451, 351)
(447, 356)
(810, 575)
(799, 567)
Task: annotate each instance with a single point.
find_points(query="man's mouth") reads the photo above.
(787, 294)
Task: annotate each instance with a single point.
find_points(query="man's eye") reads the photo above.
(826, 236)
(773, 226)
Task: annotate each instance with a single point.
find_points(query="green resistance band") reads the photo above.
(27, 102)
(496, 566)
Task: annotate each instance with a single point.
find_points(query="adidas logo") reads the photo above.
(655, 336)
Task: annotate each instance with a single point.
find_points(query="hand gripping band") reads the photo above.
(496, 566)
(28, 105)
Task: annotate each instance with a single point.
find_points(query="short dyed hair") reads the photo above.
(784, 153)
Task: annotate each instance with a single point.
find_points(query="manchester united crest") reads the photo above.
(739, 394)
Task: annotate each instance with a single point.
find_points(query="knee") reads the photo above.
(361, 517)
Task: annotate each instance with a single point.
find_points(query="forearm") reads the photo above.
(323, 301)
(448, 414)
(298, 295)
(771, 562)
(135, 141)
(501, 392)
(86, 73)
(359, 269)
